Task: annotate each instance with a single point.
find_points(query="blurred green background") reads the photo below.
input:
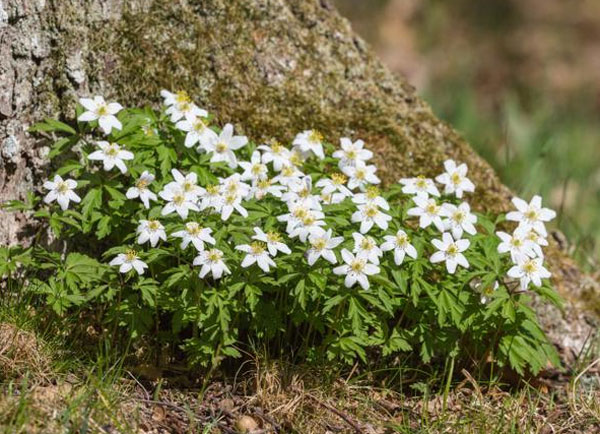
(519, 79)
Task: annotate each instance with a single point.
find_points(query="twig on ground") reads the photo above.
(339, 413)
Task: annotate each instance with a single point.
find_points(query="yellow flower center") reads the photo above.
(182, 97)
(257, 169)
(214, 255)
(221, 147)
(371, 211)
(401, 239)
(357, 265)
(141, 184)
(231, 198)
(193, 228)
(459, 217)
(360, 174)
(112, 150)
(488, 291)
(273, 237)
(131, 255)
(319, 243)
(257, 248)
(452, 249)
(315, 136)
(351, 154)
(456, 178)
(178, 199)
(276, 147)
(62, 187)
(530, 267)
(287, 171)
(421, 182)
(308, 220)
(153, 225)
(264, 183)
(188, 186)
(431, 208)
(531, 214)
(338, 179)
(296, 159)
(185, 106)
(212, 190)
(199, 125)
(367, 244)
(102, 110)
(304, 192)
(516, 242)
(372, 192)
(299, 213)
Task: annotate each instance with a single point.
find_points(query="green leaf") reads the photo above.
(48, 125)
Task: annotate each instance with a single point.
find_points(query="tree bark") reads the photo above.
(270, 67)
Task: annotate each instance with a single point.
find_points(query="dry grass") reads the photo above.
(277, 397)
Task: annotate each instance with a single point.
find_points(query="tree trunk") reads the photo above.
(271, 67)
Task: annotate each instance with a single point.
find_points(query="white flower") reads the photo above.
(129, 260)
(529, 270)
(61, 192)
(334, 188)
(308, 225)
(356, 269)
(537, 242)
(273, 241)
(111, 155)
(322, 245)
(361, 175)
(262, 187)
(229, 203)
(365, 247)
(459, 219)
(195, 234)
(234, 185)
(419, 185)
(256, 253)
(298, 212)
(531, 215)
(450, 251)
(277, 154)
(371, 197)
(401, 246)
(289, 174)
(140, 189)
(211, 198)
(211, 260)
(351, 153)
(310, 141)
(223, 146)
(488, 293)
(177, 201)
(455, 179)
(517, 244)
(98, 109)
(171, 98)
(254, 169)
(186, 183)
(151, 230)
(198, 131)
(180, 106)
(428, 212)
(299, 192)
(368, 215)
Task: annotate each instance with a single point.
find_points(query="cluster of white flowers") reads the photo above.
(276, 170)
(527, 240)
